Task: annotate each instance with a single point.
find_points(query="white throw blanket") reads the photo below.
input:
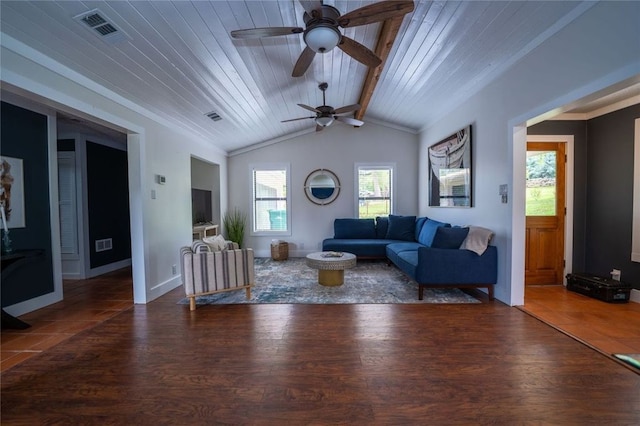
(477, 240)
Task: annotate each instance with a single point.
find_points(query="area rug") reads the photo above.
(292, 281)
(631, 359)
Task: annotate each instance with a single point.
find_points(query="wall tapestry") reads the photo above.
(12, 191)
(450, 171)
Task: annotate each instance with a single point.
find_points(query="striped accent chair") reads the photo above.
(206, 272)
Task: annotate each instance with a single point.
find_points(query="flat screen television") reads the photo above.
(201, 209)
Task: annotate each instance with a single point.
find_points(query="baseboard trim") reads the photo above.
(164, 287)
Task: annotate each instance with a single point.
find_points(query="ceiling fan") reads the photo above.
(325, 115)
(322, 31)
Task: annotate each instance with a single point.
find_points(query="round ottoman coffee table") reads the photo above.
(331, 266)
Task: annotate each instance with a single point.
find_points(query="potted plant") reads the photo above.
(234, 222)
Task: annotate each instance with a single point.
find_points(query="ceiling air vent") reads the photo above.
(101, 25)
(214, 116)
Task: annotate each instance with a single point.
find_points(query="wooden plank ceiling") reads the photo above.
(177, 60)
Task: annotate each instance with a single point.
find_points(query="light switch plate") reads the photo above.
(503, 192)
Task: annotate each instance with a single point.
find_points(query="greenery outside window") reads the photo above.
(541, 183)
(271, 202)
(375, 190)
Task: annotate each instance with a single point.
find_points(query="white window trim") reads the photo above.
(356, 181)
(270, 166)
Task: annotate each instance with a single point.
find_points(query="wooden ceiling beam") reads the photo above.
(387, 37)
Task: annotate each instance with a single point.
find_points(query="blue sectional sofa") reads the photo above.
(432, 253)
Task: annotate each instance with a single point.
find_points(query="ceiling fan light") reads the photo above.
(322, 39)
(324, 121)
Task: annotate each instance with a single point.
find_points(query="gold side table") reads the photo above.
(330, 266)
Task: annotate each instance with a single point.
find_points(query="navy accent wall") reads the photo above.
(108, 203)
(66, 144)
(24, 135)
(603, 201)
(610, 194)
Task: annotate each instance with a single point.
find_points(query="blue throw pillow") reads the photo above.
(419, 222)
(428, 231)
(354, 228)
(401, 228)
(449, 238)
(382, 225)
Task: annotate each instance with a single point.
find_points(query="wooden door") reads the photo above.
(545, 209)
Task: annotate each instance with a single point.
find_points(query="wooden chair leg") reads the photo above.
(248, 291)
(420, 292)
(192, 303)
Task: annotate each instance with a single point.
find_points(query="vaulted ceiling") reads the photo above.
(178, 60)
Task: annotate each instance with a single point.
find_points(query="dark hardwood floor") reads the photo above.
(314, 364)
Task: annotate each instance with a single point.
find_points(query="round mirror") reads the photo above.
(321, 186)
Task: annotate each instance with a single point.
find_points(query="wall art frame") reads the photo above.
(12, 191)
(450, 171)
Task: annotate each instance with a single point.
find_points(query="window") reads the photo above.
(374, 190)
(271, 199)
(541, 197)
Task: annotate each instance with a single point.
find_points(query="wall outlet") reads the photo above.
(615, 274)
(174, 269)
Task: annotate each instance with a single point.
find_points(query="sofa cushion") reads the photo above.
(354, 228)
(366, 247)
(407, 261)
(419, 222)
(400, 246)
(401, 228)
(449, 238)
(428, 231)
(382, 225)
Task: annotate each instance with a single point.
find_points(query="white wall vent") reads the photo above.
(214, 116)
(99, 24)
(104, 245)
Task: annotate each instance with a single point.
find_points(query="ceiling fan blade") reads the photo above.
(305, 59)
(296, 119)
(319, 128)
(359, 52)
(346, 109)
(375, 12)
(350, 121)
(308, 108)
(312, 7)
(266, 32)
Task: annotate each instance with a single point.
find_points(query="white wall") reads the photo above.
(159, 226)
(336, 148)
(597, 50)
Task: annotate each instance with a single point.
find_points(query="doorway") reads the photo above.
(545, 224)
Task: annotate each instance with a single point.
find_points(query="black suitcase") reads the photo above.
(600, 288)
